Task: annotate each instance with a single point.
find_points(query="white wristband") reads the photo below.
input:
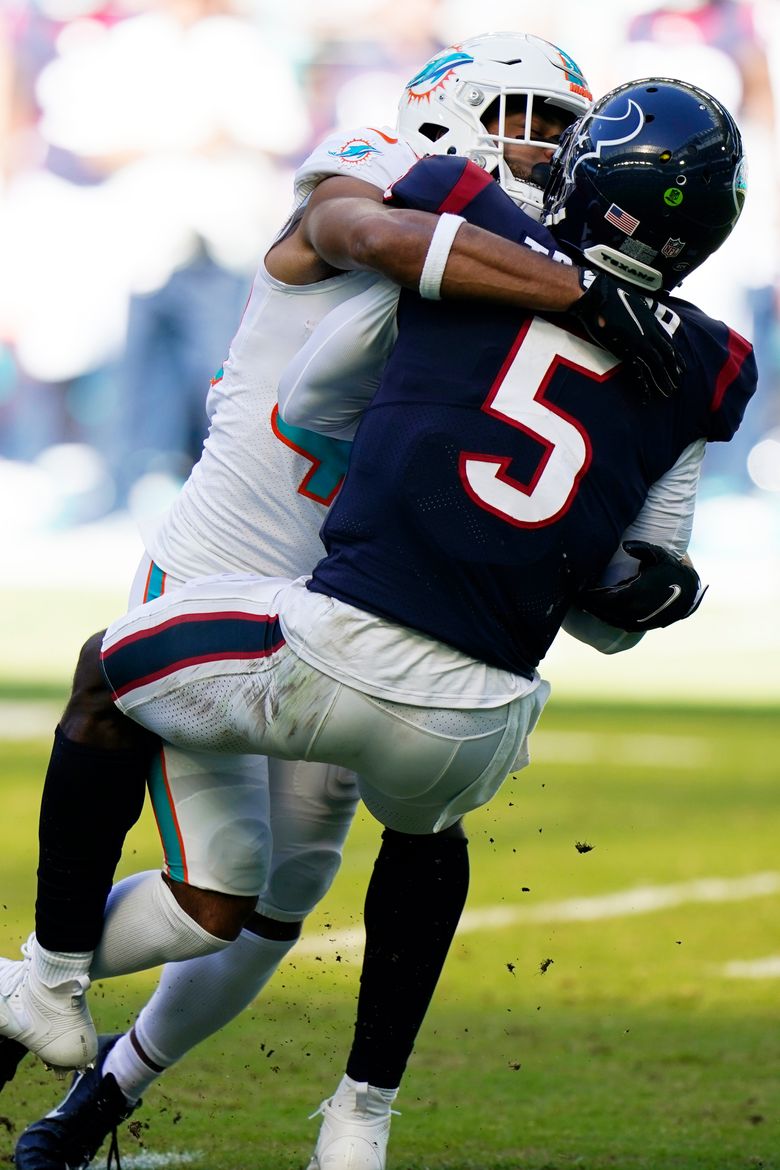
(438, 255)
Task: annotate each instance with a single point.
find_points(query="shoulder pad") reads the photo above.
(375, 155)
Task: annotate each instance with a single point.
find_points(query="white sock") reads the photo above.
(145, 926)
(193, 1000)
(55, 967)
(366, 1100)
(131, 1073)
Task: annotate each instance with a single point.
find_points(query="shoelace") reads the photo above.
(101, 1120)
(320, 1111)
(112, 1158)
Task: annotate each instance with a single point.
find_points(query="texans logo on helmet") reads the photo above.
(620, 130)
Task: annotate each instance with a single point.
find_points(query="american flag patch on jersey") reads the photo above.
(621, 219)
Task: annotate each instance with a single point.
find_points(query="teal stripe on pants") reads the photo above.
(158, 790)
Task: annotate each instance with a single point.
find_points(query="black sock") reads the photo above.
(91, 798)
(272, 929)
(413, 904)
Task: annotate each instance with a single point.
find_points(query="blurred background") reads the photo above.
(146, 155)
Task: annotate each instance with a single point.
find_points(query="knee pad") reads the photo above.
(298, 882)
(312, 807)
(235, 858)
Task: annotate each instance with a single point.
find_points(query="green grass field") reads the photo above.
(637, 1048)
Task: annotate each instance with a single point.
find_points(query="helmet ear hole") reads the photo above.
(432, 131)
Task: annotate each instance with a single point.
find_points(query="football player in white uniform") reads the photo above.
(255, 503)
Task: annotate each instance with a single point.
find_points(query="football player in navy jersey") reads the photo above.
(511, 448)
(452, 669)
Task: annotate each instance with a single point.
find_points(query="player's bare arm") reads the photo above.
(346, 226)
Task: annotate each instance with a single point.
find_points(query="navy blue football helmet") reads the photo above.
(649, 183)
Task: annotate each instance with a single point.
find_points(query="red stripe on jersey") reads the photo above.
(471, 182)
(738, 349)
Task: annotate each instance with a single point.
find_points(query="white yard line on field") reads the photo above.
(622, 904)
(149, 1160)
(649, 751)
(767, 968)
(24, 720)
(27, 719)
(20, 719)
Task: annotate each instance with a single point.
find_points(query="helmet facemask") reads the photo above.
(444, 108)
(495, 151)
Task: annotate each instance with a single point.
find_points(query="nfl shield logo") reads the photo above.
(672, 248)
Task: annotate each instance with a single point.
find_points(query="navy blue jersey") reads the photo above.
(504, 455)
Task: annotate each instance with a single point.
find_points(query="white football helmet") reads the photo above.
(442, 108)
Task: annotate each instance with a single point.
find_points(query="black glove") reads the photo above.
(665, 590)
(624, 323)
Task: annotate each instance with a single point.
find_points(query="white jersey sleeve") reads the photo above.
(335, 374)
(666, 518)
(256, 500)
(374, 155)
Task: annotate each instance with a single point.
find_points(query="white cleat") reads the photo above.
(355, 1129)
(52, 1022)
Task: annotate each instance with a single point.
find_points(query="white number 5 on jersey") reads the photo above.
(518, 397)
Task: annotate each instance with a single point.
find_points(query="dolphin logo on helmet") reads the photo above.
(434, 73)
(621, 129)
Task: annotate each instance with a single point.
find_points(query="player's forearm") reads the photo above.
(486, 266)
(480, 265)
(598, 634)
